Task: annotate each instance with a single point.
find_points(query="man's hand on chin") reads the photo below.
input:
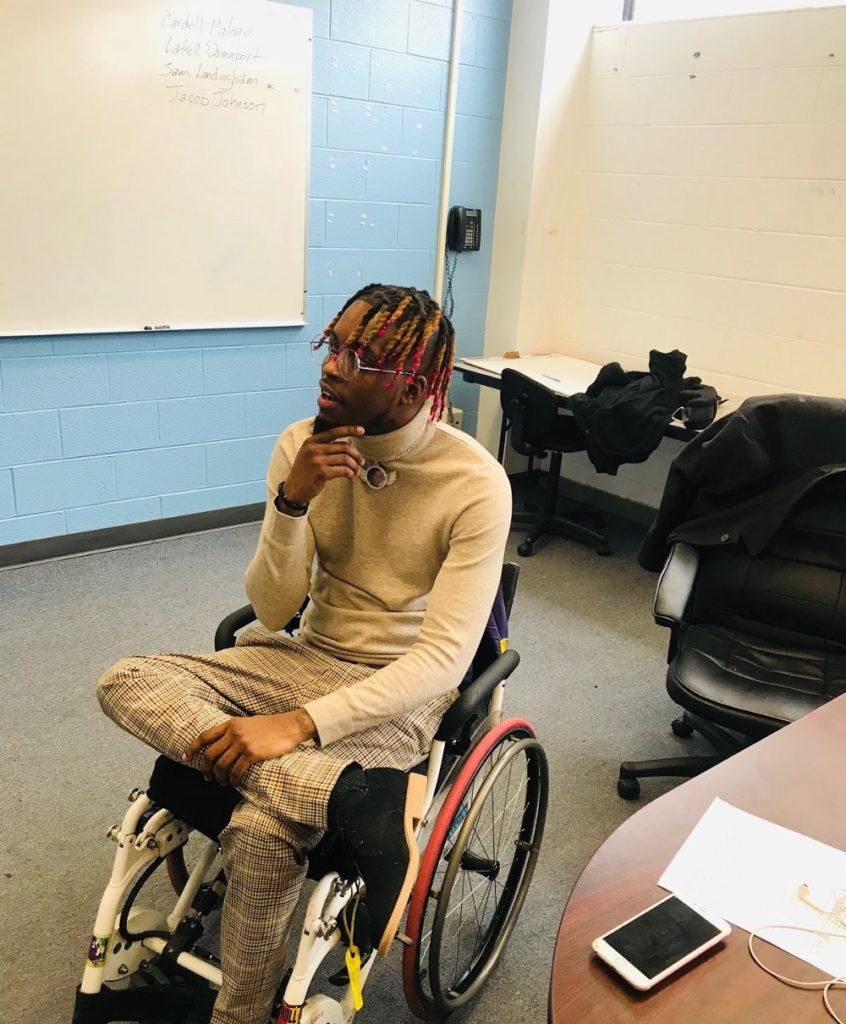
(230, 748)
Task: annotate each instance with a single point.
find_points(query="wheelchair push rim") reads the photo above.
(476, 870)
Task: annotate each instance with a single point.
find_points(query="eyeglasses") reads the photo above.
(346, 359)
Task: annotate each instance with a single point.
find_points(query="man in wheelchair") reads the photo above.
(394, 527)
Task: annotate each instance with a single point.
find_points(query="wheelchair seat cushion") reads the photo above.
(751, 683)
(205, 806)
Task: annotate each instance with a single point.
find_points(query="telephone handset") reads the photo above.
(464, 229)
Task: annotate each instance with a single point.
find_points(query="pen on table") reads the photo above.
(547, 376)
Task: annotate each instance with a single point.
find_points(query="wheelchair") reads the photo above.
(480, 836)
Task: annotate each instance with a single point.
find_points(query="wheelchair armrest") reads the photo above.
(675, 585)
(476, 692)
(224, 635)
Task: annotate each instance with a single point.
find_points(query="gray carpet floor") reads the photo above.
(591, 678)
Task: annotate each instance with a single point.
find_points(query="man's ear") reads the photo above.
(415, 388)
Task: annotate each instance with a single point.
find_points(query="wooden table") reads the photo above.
(794, 778)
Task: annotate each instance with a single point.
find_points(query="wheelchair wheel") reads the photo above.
(180, 862)
(177, 870)
(476, 870)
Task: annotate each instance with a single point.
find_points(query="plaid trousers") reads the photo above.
(166, 700)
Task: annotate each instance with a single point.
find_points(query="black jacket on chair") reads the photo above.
(624, 414)
(739, 479)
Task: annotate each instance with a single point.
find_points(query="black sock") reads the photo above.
(352, 779)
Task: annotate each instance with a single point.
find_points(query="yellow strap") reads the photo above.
(503, 645)
(352, 958)
(353, 962)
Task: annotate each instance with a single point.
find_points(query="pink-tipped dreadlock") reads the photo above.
(422, 334)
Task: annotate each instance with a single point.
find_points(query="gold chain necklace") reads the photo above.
(374, 474)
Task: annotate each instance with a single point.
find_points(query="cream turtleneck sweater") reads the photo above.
(402, 578)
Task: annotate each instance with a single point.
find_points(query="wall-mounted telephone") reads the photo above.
(464, 229)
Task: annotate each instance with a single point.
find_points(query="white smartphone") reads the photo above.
(651, 945)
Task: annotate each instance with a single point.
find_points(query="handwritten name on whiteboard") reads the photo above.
(217, 54)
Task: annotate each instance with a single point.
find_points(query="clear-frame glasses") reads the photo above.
(346, 359)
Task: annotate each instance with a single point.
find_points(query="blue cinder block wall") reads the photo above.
(104, 430)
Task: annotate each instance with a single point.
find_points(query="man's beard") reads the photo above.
(371, 426)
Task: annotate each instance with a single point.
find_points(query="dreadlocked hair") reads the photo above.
(421, 332)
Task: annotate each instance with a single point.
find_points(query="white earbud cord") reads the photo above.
(825, 986)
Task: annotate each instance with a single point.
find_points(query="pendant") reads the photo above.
(375, 476)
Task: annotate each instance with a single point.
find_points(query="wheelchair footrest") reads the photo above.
(175, 1004)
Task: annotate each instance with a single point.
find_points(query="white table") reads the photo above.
(564, 375)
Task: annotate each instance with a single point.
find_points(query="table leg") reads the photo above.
(503, 431)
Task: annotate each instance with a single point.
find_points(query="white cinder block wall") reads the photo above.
(705, 210)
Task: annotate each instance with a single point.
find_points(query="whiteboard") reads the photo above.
(153, 164)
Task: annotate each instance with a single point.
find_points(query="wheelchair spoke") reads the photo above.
(483, 930)
(507, 791)
(464, 898)
(476, 910)
(516, 803)
(502, 828)
(512, 806)
(458, 946)
(493, 821)
(481, 841)
(481, 837)
(460, 928)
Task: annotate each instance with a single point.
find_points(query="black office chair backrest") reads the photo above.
(531, 409)
(795, 589)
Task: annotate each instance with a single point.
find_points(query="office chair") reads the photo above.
(539, 427)
(755, 641)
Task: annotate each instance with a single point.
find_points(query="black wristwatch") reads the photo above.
(295, 506)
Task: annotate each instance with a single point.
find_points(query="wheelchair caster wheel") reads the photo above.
(525, 549)
(681, 728)
(628, 789)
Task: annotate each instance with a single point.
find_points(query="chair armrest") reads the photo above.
(224, 635)
(675, 585)
(477, 691)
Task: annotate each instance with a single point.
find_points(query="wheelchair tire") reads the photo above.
(179, 862)
(462, 848)
(177, 872)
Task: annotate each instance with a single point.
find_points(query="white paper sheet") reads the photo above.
(754, 873)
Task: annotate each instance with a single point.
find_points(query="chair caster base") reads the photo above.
(681, 727)
(603, 550)
(525, 548)
(629, 789)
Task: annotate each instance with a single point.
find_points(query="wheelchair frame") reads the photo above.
(127, 940)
